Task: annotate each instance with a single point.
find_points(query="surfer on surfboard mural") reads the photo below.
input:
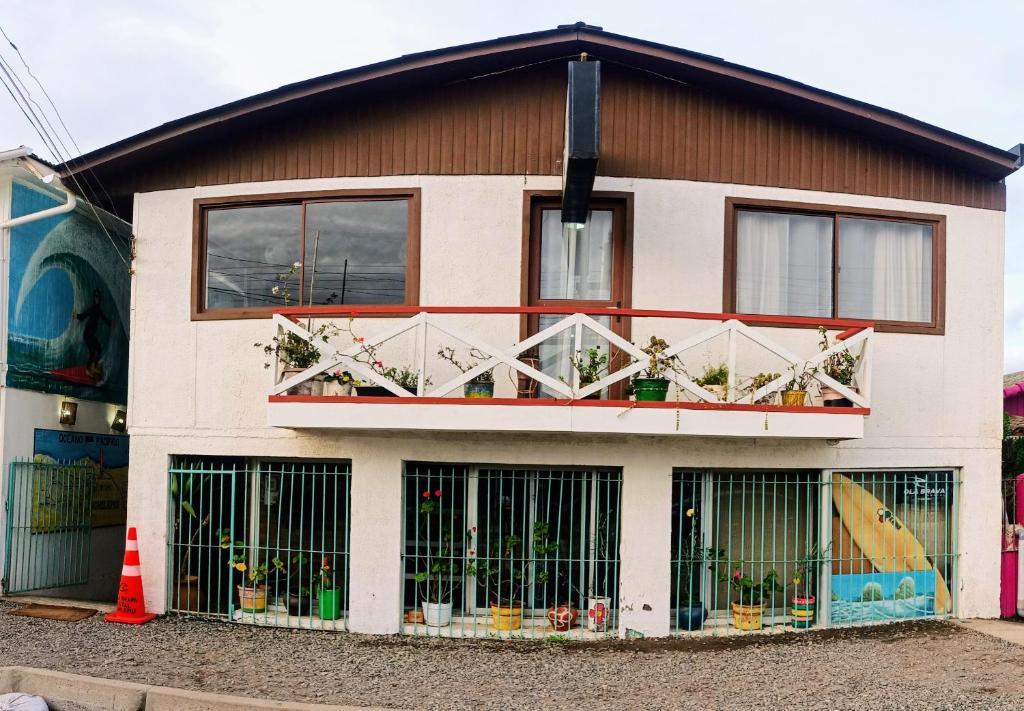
(92, 317)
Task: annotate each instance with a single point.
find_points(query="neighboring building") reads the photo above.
(1013, 401)
(64, 348)
(434, 197)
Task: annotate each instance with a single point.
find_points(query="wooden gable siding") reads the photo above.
(512, 123)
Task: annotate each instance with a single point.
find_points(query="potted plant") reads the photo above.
(747, 611)
(328, 591)
(439, 570)
(591, 365)
(508, 569)
(690, 612)
(650, 384)
(756, 383)
(715, 380)
(187, 594)
(795, 393)
(599, 603)
(252, 593)
(841, 367)
(562, 614)
(338, 383)
(482, 385)
(294, 353)
(805, 581)
(300, 598)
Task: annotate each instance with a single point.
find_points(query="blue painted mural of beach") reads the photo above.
(68, 299)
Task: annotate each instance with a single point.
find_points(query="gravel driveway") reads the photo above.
(913, 665)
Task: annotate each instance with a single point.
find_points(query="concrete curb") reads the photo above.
(74, 692)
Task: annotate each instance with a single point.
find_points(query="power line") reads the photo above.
(16, 88)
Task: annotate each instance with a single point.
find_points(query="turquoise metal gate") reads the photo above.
(49, 528)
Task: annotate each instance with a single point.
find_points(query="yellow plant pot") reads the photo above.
(747, 617)
(794, 398)
(252, 599)
(507, 618)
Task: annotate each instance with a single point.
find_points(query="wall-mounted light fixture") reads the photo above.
(120, 422)
(68, 412)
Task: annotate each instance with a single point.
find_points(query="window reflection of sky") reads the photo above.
(249, 246)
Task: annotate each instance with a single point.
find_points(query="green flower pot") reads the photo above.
(330, 603)
(650, 389)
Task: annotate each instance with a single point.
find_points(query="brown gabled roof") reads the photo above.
(566, 41)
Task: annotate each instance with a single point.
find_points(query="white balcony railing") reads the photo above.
(761, 361)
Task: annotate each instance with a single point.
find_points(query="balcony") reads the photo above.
(543, 383)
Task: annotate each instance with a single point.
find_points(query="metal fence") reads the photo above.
(49, 525)
(510, 552)
(260, 542)
(780, 550)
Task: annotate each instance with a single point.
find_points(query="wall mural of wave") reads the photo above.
(68, 304)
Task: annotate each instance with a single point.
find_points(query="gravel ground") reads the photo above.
(912, 665)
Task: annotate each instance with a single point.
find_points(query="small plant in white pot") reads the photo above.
(715, 380)
(841, 366)
(438, 571)
(338, 384)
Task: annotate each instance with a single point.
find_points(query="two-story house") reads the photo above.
(565, 333)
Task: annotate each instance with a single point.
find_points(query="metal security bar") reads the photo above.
(49, 525)
(511, 552)
(260, 542)
(782, 550)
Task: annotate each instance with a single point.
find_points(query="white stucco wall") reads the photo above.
(200, 387)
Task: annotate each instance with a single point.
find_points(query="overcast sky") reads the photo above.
(117, 68)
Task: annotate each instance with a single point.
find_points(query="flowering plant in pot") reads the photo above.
(252, 593)
(805, 583)
(338, 383)
(688, 577)
(438, 571)
(841, 366)
(481, 385)
(750, 594)
(650, 384)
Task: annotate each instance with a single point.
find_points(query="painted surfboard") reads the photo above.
(881, 537)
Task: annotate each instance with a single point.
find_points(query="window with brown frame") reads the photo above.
(795, 259)
(255, 253)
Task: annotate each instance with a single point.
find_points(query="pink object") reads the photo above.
(1008, 585)
(1013, 399)
(1018, 497)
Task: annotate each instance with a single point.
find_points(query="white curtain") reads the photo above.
(783, 264)
(576, 263)
(885, 270)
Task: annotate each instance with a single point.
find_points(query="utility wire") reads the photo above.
(44, 128)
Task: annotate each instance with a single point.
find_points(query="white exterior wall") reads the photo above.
(200, 387)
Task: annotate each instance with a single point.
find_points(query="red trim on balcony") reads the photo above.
(548, 402)
(849, 326)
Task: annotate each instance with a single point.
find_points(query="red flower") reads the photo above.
(437, 493)
(737, 574)
(426, 494)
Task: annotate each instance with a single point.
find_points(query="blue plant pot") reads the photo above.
(690, 618)
(478, 390)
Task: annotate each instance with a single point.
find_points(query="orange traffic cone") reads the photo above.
(131, 605)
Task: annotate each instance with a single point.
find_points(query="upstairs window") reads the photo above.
(836, 264)
(257, 254)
